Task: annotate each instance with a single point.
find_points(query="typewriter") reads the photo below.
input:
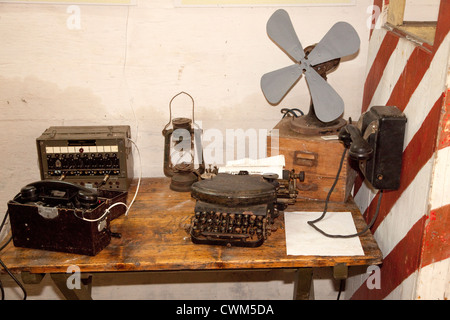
(240, 209)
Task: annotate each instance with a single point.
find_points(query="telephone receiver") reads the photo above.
(55, 192)
(359, 148)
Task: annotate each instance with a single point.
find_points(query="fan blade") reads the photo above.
(340, 41)
(328, 105)
(281, 31)
(277, 83)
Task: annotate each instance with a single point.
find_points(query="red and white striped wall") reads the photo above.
(412, 229)
(434, 272)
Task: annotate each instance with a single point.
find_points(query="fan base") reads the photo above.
(309, 125)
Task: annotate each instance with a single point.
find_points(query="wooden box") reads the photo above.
(319, 158)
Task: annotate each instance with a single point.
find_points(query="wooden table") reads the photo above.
(155, 238)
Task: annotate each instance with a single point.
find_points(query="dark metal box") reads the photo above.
(62, 229)
(91, 156)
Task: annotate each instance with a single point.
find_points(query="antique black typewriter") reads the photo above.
(240, 210)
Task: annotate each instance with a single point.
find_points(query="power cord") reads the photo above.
(6, 268)
(128, 207)
(341, 288)
(15, 279)
(291, 112)
(311, 223)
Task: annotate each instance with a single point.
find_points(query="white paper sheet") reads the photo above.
(304, 240)
(273, 164)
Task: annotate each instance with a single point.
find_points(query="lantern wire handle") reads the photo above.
(170, 108)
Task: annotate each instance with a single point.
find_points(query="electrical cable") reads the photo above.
(292, 112)
(311, 223)
(15, 279)
(1, 228)
(4, 221)
(121, 203)
(6, 243)
(104, 213)
(139, 179)
(5, 267)
(2, 291)
(341, 288)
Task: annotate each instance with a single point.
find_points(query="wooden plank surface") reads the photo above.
(155, 238)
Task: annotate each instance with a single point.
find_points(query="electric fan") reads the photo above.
(327, 107)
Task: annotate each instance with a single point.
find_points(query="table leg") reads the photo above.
(302, 285)
(83, 293)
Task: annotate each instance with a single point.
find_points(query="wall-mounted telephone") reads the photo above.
(376, 141)
(54, 192)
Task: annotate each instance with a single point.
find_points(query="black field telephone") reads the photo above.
(54, 193)
(63, 216)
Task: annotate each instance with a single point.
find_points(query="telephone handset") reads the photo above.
(56, 192)
(359, 149)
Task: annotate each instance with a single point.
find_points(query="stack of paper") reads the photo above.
(259, 166)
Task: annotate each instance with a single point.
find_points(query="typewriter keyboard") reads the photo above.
(240, 229)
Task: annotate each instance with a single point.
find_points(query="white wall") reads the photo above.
(125, 63)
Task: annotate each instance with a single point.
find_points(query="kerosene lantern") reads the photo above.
(179, 150)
